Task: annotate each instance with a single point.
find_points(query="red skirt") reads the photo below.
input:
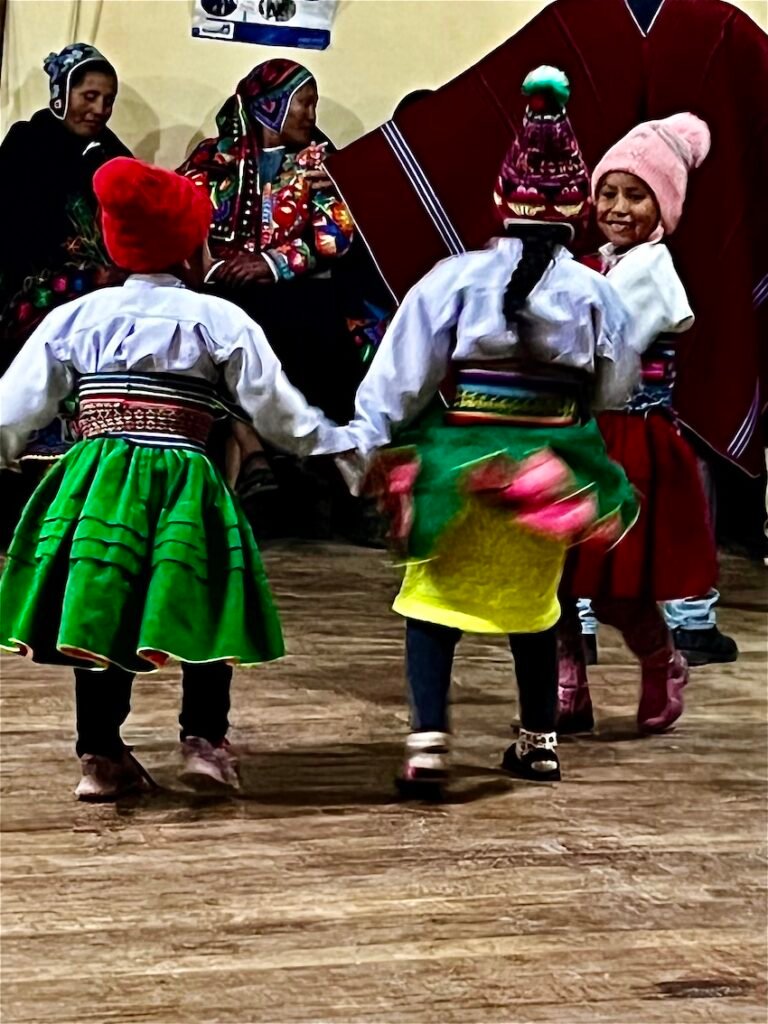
(670, 551)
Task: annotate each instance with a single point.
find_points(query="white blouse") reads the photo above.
(573, 315)
(646, 279)
(153, 324)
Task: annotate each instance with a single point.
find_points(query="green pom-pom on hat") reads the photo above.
(548, 79)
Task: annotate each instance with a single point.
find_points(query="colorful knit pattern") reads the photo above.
(487, 396)
(268, 89)
(543, 176)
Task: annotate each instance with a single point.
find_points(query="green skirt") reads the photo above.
(130, 555)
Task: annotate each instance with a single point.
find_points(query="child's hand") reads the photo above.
(354, 469)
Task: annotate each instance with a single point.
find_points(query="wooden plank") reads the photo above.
(632, 892)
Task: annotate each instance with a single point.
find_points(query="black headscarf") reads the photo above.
(44, 170)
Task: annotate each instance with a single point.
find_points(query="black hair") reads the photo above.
(97, 67)
(539, 243)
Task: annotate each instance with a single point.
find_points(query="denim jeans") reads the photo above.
(693, 612)
(689, 613)
(587, 616)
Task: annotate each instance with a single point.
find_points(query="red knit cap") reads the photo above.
(151, 219)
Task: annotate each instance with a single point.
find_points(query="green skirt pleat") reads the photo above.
(130, 554)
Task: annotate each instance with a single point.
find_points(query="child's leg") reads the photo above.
(209, 763)
(102, 704)
(664, 670)
(533, 755)
(429, 660)
(205, 701)
(536, 668)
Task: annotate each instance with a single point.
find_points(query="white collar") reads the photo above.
(156, 280)
(611, 257)
(507, 243)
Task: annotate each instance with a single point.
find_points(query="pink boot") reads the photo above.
(665, 674)
(664, 670)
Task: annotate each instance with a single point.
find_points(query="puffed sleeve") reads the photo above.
(617, 365)
(653, 294)
(33, 387)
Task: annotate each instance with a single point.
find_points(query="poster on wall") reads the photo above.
(302, 23)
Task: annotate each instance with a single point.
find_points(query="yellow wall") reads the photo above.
(171, 85)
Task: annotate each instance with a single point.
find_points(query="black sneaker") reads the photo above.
(705, 646)
(539, 751)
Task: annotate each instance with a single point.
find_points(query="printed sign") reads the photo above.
(301, 23)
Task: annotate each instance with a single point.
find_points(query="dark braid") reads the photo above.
(538, 252)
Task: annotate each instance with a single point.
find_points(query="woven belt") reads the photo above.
(158, 410)
(514, 398)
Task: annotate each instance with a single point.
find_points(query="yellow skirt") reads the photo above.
(488, 575)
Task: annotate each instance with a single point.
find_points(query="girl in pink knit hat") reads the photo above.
(639, 189)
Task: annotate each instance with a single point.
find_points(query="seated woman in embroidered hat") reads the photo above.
(489, 483)
(278, 231)
(132, 551)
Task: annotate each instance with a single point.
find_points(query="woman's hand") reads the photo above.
(244, 269)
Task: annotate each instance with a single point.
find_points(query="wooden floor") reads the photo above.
(632, 892)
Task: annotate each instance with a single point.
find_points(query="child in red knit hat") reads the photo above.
(639, 189)
(132, 551)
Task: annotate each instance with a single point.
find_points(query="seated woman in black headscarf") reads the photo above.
(50, 244)
(279, 226)
(51, 247)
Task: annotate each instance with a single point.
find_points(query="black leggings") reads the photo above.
(103, 702)
(429, 660)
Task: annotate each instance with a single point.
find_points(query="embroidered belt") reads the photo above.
(497, 396)
(161, 410)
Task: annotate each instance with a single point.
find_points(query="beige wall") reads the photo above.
(171, 85)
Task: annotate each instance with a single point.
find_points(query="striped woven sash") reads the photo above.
(497, 395)
(161, 410)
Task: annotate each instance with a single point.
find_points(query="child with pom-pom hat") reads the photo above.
(490, 487)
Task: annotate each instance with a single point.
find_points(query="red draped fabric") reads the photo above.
(422, 189)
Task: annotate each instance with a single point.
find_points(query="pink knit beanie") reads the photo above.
(661, 153)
